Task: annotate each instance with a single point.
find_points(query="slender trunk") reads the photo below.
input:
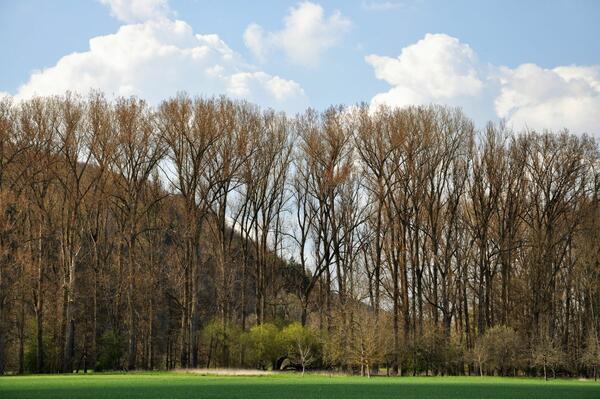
(2, 316)
(22, 337)
(396, 310)
(132, 341)
(404, 287)
(69, 320)
(95, 339)
(39, 309)
(151, 337)
(195, 311)
(183, 358)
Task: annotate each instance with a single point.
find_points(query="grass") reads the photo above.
(189, 386)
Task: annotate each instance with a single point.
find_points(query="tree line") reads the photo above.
(208, 232)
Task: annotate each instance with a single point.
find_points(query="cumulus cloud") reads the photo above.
(436, 67)
(138, 10)
(306, 35)
(156, 59)
(441, 69)
(560, 97)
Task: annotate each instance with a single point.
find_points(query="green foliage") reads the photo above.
(224, 342)
(51, 355)
(301, 344)
(264, 346)
(111, 351)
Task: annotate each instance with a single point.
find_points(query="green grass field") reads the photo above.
(175, 386)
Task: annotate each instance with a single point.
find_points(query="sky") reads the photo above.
(533, 64)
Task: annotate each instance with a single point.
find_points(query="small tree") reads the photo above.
(301, 344)
(478, 355)
(369, 339)
(355, 341)
(498, 349)
(591, 356)
(547, 354)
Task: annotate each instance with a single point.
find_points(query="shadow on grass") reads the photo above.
(228, 389)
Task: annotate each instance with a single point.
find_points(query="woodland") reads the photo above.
(209, 232)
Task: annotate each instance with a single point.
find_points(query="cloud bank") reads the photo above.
(441, 69)
(157, 58)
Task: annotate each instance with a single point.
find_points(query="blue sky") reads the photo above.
(533, 63)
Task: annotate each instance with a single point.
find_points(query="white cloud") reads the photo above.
(436, 67)
(156, 59)
(255, 40)
(382, 5)
(441, 69)
(138, 10)
(560, 97)
(306, 35)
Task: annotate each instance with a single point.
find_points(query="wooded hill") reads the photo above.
(209, 232)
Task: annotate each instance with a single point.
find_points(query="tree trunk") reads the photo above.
(396, 310)
(39, 321)
(22, 337)
(69, 349)
(132, 339)
(39, 310)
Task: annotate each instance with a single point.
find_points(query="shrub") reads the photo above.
(264, 345)
(110, 353)
(301, 345)
(223, 342)
(51, 355)
(591, 356)
(498, 349)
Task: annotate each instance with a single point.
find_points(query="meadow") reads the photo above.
(179, 385)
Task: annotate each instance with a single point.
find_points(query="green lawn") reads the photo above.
(175, 386)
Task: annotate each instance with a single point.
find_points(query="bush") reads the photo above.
(358, 340)
(264, 345)
(498, 350)
(301, 345)
(430, 350)
(110, 352)
(223, 342)
(51, 355)
(591, 356)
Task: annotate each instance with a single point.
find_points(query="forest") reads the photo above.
(208, 232)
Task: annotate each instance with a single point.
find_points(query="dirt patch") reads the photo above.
(225, 372)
